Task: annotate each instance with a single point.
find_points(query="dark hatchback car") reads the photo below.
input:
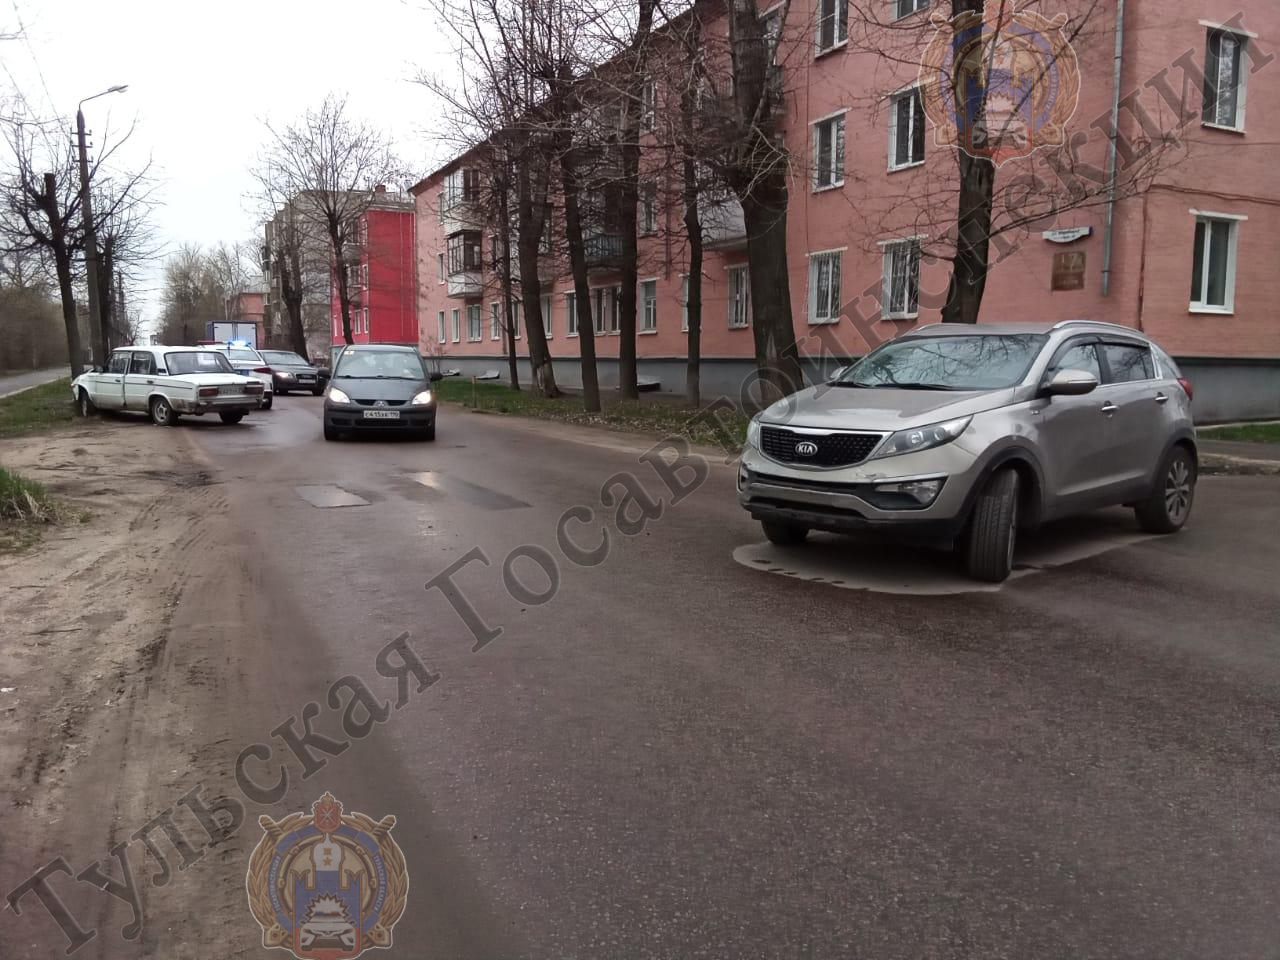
(291, 373)
(380, 388)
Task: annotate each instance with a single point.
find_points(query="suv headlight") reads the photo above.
(921, 438)
(753, 432)
(337, 396)
(422, 398)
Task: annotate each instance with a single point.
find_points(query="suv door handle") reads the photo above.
(1161, 398)
(1109, 407)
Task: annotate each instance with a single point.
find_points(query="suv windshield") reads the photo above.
(383, 364)
(283, 356)
(980, 362)
(204, 361)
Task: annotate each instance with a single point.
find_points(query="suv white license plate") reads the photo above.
(382, 414)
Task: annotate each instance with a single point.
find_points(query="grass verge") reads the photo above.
(1245, 432)
(26, 508)
(37, 409)
(656, 415)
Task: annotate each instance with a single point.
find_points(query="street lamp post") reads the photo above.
(90, 233)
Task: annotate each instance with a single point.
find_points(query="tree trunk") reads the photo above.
(578, 267)
(106, 297)
(290, 270)
(344, 294)
(508, 300)
(764, 211)
(693, 232)
(62, 265)
(973, 240)
(530, 223)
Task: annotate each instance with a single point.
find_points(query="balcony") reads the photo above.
(723, 226)
(465, 285)
(462, 215)
(603, 251)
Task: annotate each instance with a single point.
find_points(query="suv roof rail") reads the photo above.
(1094, 323)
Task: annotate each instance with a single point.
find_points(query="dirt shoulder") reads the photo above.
(109, 718)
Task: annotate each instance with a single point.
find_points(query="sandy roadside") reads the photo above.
(119, 661)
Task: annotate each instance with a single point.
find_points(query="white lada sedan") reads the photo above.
(166, 382)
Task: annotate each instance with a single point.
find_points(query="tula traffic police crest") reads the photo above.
(1001, 84)
(327, 886)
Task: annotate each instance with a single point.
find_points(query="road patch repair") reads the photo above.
(886, 566)
(466, 491)
(325, 495)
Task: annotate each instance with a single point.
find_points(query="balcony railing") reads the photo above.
(603, 251)
(465, 285)
(723, 225)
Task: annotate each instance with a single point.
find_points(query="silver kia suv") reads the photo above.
(972, 433)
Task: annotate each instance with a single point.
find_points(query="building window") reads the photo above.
(366, 319)
(495, 254)
(649, 300)
(495, 323)
(571, 314)
(906, 130)
(833, 23)
(684, 304)
(606, 309)
(464, 252)
(440, 201)
(444, 333)
(649, 208)
(544, 241)
(457, 327)
(904, 8)
(474, 329)
(739, 297)
(461, 186)
(364, 276)
(828, 152)
(1213, 269)
(902, 280)
(824, 287)
(1224, 84)
(648, 106)
(516, 307)
(440, 259)
(546, 316)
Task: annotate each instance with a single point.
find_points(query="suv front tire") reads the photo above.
(784, 534)
(993, 529)
(1168, 506)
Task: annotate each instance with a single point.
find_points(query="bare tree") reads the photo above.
(328, 165)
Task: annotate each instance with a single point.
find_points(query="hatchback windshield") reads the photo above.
(384, 364)
(986, 362)
(284, 357)
(204, 361)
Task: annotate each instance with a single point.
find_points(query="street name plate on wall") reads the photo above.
(1067, 234)
(1068, 270)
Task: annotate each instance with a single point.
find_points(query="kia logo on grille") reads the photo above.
(806, 448)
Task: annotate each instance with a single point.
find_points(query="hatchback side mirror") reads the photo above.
(1071, 383)
(435, 375)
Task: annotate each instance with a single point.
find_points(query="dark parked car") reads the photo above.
(378, 387)
(290, 372)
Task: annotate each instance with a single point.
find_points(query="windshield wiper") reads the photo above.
(918, 386)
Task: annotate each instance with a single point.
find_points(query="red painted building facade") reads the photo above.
(380, 277)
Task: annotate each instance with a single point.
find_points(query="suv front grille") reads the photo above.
(834, 449)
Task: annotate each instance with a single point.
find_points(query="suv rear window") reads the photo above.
(1128, 363)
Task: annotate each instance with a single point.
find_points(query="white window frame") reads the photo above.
(1242, 88)
(366, 319)
(457, 325)
(829, 312)
(571, 315)
(894, 100)
(743, 298)
(915, 7)
(516, 306)
(440, 262)
(614, 317)
(648, 318)
(444, 329)
(475, 323)
(648, 208)
(890, 247)
(495, 321)
(648, 106)
(684, 303)
(1234, 220)
(840, 34)
(837, 120)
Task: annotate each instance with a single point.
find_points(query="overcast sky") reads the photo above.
(203, 77)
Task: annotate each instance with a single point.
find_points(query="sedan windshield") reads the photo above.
(986, 362)
(203, 361)
(250, 355)
(284, 357)
(380, 364)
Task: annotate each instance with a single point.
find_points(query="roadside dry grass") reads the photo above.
(1244, 432)
(658, 416)
(37, 409)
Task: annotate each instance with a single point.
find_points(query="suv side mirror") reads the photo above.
(435, 375)
(840, 372)
(1071, 383)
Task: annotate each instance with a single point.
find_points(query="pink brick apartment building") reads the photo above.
(1194, 260)
(382, 280)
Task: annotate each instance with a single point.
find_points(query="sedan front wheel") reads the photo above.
(162, 414)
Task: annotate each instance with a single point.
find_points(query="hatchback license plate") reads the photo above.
(382, 414)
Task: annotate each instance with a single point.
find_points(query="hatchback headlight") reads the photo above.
(921, 438)
(422, 398)
(337, 396)
(753, 432)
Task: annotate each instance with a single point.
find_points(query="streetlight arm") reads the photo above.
(118, 88)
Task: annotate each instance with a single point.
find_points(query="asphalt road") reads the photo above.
(17, 382)
(679, 755)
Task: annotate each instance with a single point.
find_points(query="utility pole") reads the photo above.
(97, 324)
